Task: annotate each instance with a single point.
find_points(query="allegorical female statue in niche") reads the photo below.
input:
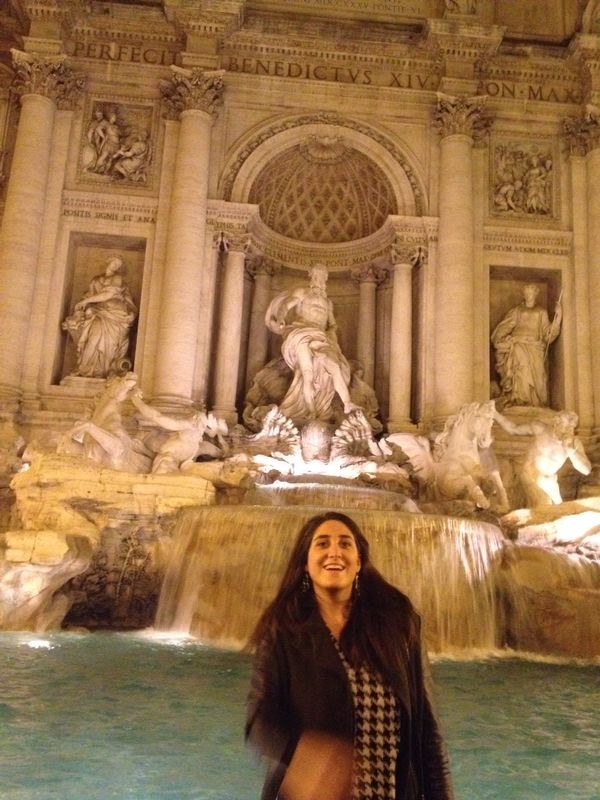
(100, 323)
(521, 340)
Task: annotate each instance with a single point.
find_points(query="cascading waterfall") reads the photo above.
(227, 561)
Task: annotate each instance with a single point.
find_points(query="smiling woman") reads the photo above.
(333, 565)
(339, 705)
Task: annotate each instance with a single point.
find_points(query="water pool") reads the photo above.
(91, 717)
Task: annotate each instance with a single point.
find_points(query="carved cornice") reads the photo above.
(221, 213)
(92, 30)
(193, 89)
(466, 115)
(215, 17)
(303, 255)
(522, 70)
(48, 76)
(415, 232)
(300, 29)
(399, 59)
(51, 10)
(465, 42)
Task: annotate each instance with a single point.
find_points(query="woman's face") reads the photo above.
(333, 560)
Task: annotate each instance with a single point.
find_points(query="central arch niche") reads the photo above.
(323, 191)
(324, 143)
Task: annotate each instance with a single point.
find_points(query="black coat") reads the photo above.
(300, 684)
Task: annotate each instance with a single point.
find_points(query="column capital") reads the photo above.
(189, 89)
(369, 273)
(462, 115)
(234, 240)
(48, 76)
(261, 265)
(583, 133)
(406, 253)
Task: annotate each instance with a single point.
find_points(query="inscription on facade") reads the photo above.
(399, 79)
(358, 76)
(116, 51)
(416, 8)
(112, 216)
(532, 91)
(512, 243)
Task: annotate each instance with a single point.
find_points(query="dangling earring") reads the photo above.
(356, 585)
(305, 583)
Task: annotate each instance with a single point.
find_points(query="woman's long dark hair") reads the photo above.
(382, 621)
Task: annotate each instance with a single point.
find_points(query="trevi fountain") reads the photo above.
(259, 258)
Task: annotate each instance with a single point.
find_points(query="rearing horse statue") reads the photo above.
(461, 462)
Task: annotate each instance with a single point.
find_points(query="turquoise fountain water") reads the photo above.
(136, 717)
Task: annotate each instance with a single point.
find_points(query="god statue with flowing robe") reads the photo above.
(521, 340)
(304, 318)
(101, 322)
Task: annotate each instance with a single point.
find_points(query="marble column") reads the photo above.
(401, 339)
(582, 350)
(193, 96)
(41, 83)
(227, 360)
(593, 255)
(261, 270)
(367, 277)
(207, 314)
(460, 121)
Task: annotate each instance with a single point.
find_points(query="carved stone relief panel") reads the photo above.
(523, 179)
(117, 144)
(101, 304)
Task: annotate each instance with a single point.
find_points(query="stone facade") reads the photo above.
(448, 149)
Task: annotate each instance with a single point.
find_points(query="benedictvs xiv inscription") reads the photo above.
(358, 76)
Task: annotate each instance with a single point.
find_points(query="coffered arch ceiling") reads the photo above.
(323, 190)
(324, 179)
